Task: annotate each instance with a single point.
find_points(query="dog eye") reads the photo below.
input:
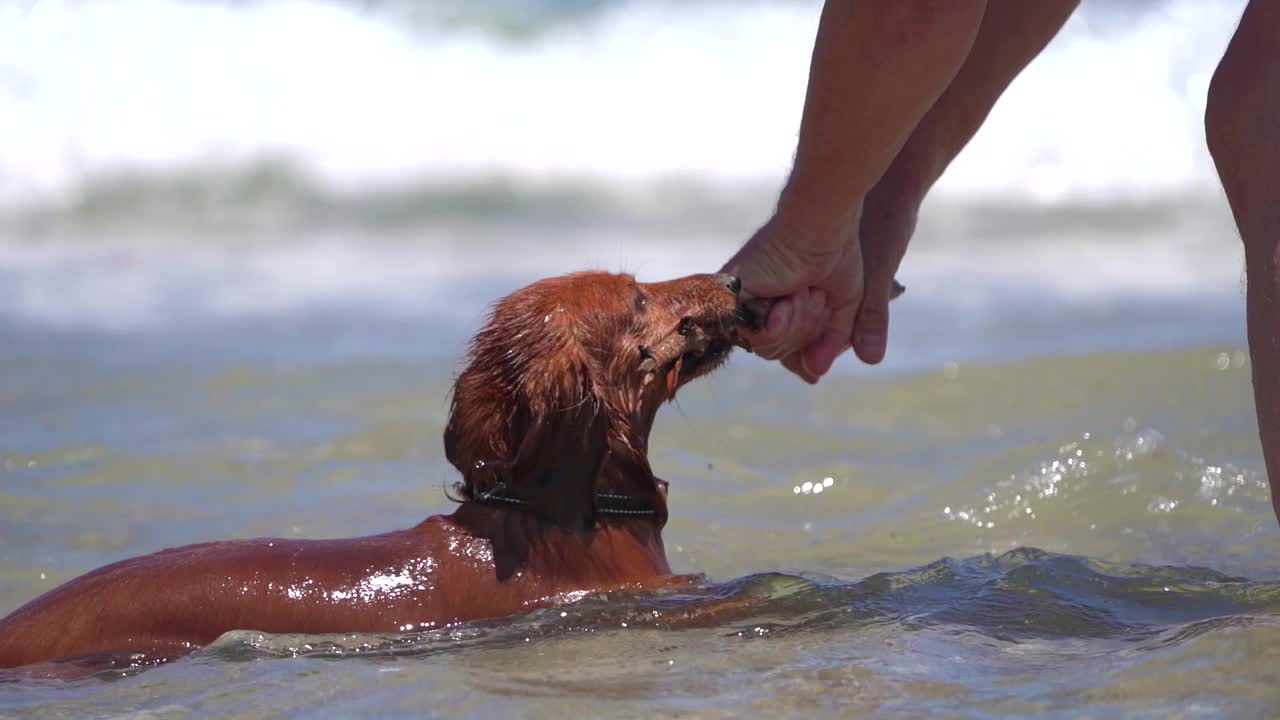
(641, 301)
(686, 326)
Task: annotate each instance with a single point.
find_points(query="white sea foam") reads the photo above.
(1109, 115)
(711, 90)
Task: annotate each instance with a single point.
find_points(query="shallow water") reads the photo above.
(1063, 635)
(1048, 501)
(1062, 535)
(236, 312)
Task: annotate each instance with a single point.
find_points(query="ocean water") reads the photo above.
(242, 246)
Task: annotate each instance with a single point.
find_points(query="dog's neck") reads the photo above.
(620, 548)
(626, 472)
(574, 468)
(608, 502)
(623, 488)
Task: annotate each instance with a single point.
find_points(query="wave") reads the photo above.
(1022, 595)
(274, 193)
(361, 95)
(1019, 599)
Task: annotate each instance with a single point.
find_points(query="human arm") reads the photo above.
(877, 68)
(884, 152)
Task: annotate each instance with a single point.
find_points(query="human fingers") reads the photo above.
(793, 363)
(817, 359)
(793, 323)
(884, 237)
(846, 288)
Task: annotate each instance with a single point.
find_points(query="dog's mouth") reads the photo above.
(752, 313)
(695, 363)
(691, 353)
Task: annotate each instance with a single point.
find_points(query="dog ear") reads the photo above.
(526, 422)
(562, 430)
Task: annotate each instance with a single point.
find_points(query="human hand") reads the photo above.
(815, 275)
(827, 290)
(886, 226)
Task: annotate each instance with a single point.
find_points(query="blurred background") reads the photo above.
(170, 161)
(242, 245)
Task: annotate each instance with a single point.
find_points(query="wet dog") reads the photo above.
(549, 428)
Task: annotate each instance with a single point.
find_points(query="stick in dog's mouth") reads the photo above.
(754, 312)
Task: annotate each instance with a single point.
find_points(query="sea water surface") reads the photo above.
(237, 312)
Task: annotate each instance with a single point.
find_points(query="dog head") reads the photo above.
(563, 382)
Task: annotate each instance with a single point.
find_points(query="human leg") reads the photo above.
(1242, 127)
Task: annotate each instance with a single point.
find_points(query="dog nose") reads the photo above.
(732, 282)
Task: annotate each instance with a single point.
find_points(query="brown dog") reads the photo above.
(549, 428)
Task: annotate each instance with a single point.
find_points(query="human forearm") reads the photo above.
(877, 68)
(1013, 33)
